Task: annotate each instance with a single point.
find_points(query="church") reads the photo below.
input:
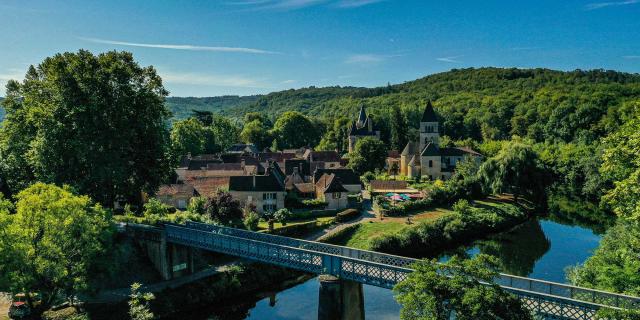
(361, 128)
(425, 158)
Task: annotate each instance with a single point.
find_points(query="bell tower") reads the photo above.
(429, 131)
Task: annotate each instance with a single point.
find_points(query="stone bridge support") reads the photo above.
(340, 299)
(171, 260)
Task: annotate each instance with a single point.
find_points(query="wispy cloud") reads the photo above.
(299, 4)
(631, 57)
(369, 58)
(214, 80)
(180, 46)
(288, 81)
(453, 59)
(356, 3)
(600, 5)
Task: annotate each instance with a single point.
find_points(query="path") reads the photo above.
(366, 214)
(5, 302)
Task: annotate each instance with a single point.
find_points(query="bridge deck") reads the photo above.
(382, 270)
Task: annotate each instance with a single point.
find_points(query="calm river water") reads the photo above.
(539, 249)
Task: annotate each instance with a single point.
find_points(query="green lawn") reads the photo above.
(264, 225)
(369, 230)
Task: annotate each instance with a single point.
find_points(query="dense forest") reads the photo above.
(181, 107)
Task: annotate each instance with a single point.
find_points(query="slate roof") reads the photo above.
(346, 176)
(410, 148)
(430, 150)
(275, 156)
(323, 156)
(267, 183)
(303, 166)
(240, 148)
(224, 166)
(459, 151)
(329, 183)
(429, 114)
(362, 118)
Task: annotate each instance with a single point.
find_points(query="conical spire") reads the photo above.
(429, 114)
(362, 117)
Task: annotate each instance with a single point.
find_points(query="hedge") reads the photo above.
(430, 238)
(347, 215)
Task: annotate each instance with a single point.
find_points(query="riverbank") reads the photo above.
(444, 230)
(240, 284)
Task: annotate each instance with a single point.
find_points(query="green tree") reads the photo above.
(223, 209)
(224, 132)
(295, 130)
(188, 136)
(621, 164)
(256, 132)
(514, 169)
(398, 128)
(51, 242)
(139, 304)
(283, 215)
(369, 154)
(97, 123)
(439, 291)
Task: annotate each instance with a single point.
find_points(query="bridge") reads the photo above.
(549, 299)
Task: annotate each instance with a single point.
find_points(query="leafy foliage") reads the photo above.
(440, 291)
(295, 130)
(369, 154)
(51, 242)
(139, 304)
(97, 123)
(223, 209)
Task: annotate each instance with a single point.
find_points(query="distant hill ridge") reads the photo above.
(336, 101)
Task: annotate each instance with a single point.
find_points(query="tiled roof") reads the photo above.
(207, 186)
(346, 176)
(305, 187)
(176, 190)
(323, 156)
(267, 183)
(388, 185)
(329, 183)
(393, 154)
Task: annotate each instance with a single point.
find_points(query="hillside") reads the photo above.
(181, 107)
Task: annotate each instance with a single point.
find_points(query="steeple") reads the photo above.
(362, 118)
(429, 114)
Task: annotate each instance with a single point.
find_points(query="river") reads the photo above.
(539, 248)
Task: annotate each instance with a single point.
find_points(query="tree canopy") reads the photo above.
(368, 154)
(51, 242)
(295, 130)
(95, 122)
(437, 291)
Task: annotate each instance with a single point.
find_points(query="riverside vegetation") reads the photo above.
(575, 134)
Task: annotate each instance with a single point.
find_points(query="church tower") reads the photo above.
(429, 128)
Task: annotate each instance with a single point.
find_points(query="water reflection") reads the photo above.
(539, 248)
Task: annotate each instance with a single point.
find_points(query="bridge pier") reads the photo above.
(340, 299)
(170, 259)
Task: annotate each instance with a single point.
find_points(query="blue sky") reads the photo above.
(216, 47)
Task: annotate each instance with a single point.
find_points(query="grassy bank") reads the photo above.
(428, 237)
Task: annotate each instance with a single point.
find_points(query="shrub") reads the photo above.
(462, 207)
(196, 205)
(155, 207)
(314, 204)
(251, 218)
(282, 216)
(347, 215)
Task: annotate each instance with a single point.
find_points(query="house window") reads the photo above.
(182, 204)
(269, 207)
(337, 195)
(269, 196)
(430, 163)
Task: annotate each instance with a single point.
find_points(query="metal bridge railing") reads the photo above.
(358, 258)
(301, 259)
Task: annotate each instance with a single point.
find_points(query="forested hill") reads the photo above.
(454, 88)
(182, 107)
